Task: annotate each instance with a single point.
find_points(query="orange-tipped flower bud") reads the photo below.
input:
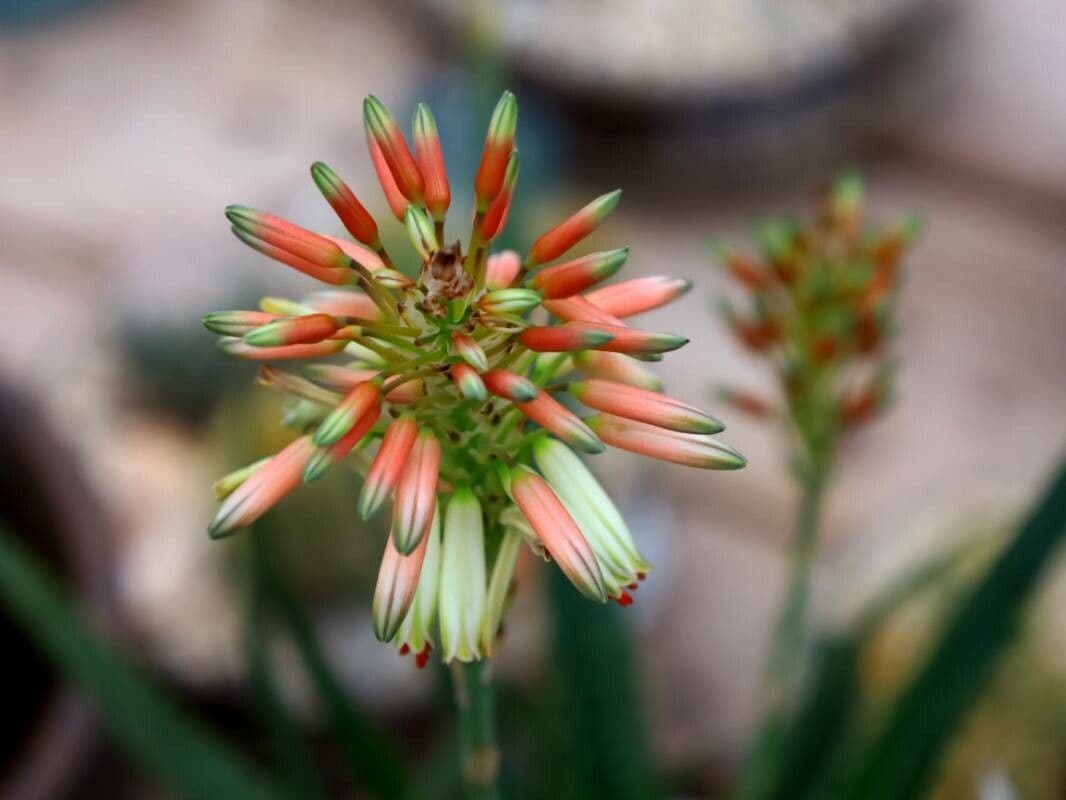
(354, 405)
(388, 464)
(382, 129)
(558, 532)
(579, 309)
(395, 198)
(468, 382)
(346, 205)
(496, 216)
(628, 298)
(431, 162)
(644, 406)
(616, 367)
(293, 330)
(343, 303)
(326, 457)
(564, 338)
(566, 234)
(510, 386)
(633, 341)
(571, 277)
(689, 449)
(290, 244)
(496, 154)
(416, 493)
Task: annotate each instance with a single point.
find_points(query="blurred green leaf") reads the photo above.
(288, 749)
(598, 741)
(154, 731)
(370, 753)
(900, 760)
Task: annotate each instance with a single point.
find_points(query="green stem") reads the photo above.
(479, 756)
(785, 657)
(786, 647)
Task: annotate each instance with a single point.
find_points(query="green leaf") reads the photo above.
(296, 764)
(900, 760)
(371, 755)
(597, 741)
(162, 738)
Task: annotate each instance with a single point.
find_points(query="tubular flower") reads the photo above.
(443, 388)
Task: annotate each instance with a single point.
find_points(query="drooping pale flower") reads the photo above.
(448, 385)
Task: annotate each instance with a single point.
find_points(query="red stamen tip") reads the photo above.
(405, 649)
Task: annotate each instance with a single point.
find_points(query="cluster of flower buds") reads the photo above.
(821, 308)
(443, 387)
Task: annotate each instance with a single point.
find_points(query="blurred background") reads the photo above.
(127, 127)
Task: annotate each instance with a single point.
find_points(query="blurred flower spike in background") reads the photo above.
(821, 308)
(443, 388)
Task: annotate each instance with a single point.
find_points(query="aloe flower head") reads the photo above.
(463, 389)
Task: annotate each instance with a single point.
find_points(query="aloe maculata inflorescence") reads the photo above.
(821, 310)
(443, 389)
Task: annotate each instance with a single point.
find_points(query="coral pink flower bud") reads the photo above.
(502, 269)
(361, 255)
(397, 202)
(354, 405)
(558, 532)
(431, 162)
(388, 464)
(352, 214)
(497, 151)
(307, 329)
(566, 234)
(263, 489)
(638, 295)
(644, 406)
(496, 217)
(578, 309)
(542, 409)
(397, 583)
(616, 367)
(689, 449)
(343, 303)
(382, 129)
(240, 349)
(571, 277)
(416, 493)
(564, 338)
